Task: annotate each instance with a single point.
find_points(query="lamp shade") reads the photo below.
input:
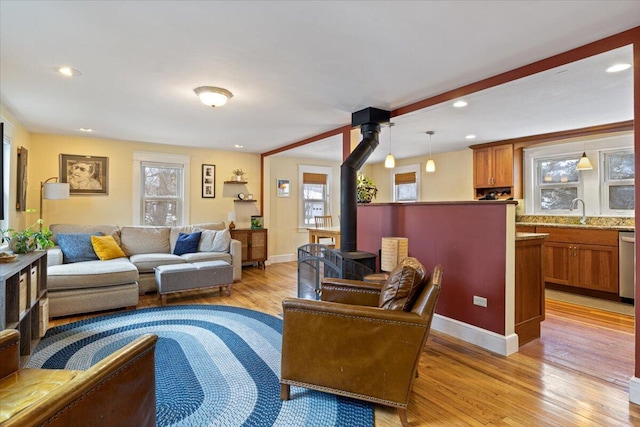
(231, 216)
(431, 166)
(389, 161)
(584, 164)
(213, 96)
(55, 190)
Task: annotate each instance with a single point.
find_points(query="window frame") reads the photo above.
(324, 170)
(159, 159)
(538, 186)
(405, 169)
(606, 184)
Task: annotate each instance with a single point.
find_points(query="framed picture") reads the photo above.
(208, 181)
(21, 199)
(85, 174)
(283, 188)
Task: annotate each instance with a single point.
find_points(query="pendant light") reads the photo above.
(389, 161)
(431, 165)
(584, 164)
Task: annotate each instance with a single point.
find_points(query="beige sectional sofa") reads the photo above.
(88, 286)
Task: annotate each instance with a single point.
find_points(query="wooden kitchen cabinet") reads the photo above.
(254, 244)
(493, 166)
(581, 258)
(529, 289)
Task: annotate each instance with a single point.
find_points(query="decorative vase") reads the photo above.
(238, 178)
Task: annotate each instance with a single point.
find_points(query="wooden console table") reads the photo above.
(254, 244)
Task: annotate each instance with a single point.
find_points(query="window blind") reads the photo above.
(314, 178)
(405, 178)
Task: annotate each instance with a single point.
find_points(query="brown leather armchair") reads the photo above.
(118, 390)
(346, 344)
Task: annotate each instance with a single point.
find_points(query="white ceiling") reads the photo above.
(298, 69)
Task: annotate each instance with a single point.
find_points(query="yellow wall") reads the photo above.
(453, 179)
(282, 212)
(20, 138)
(116, 207)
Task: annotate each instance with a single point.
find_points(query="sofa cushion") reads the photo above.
(211, 225)
(175, 232)
(214, 240)
(106, 248)
(403, 286)
(207, 256)
(76, 247)
(144, 240)
(91, 274)
(105, 230)
(145, 263)
(187, 243)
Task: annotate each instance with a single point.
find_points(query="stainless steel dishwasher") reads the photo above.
(626, 261)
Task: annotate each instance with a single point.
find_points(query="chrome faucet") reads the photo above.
(574, 204)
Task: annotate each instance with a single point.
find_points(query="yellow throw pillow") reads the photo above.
(106, 247)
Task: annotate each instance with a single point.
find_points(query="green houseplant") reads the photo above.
(238, 173)
(366, 189)
(28, 240)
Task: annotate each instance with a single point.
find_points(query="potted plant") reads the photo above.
(28, 240)
(366, 190)
(238, 174)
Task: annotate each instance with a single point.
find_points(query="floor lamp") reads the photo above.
(52, 191)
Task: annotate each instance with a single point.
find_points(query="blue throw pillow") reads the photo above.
(77, 247)
(187, 243)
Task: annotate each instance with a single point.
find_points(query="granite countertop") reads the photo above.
(596, 223)
(530, 236)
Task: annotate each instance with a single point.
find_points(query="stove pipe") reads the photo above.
(369, 121)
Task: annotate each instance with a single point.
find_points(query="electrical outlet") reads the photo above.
(481, 301)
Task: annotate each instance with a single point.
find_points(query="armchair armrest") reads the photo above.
(362, 352)
(9, 352)
(347, 291)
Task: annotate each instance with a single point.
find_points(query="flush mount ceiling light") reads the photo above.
(86, 130)
(68, 71)
(239, 146)
(431, 165)
(389, 161)
(470, 136)
(460, 104)
(618, 67)
(213, 96)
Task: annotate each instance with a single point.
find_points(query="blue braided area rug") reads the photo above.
(215, 366)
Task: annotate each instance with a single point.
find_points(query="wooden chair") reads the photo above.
(325, 221)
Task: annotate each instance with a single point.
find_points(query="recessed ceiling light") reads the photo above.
(69, 72)
(86, 130)
(618, 67)
(460, 104)
(239, 146)
(470, 136)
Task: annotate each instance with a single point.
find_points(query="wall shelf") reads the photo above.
(236, 182)
(245, 201)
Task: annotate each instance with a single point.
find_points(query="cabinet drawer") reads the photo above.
(580, 236)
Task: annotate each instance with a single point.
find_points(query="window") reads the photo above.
(405, 183)
(618, 182)
(160, 189)
(557, 184)
(162, 195)
(551, 180)
(315, 194)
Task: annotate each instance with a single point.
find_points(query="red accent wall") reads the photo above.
(467, 238)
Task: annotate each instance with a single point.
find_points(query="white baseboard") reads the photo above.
(274, 259)
(504, 345)
(634, 390)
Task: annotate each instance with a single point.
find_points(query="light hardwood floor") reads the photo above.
(576, 374)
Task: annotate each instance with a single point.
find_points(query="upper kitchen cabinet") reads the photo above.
(494, 171)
